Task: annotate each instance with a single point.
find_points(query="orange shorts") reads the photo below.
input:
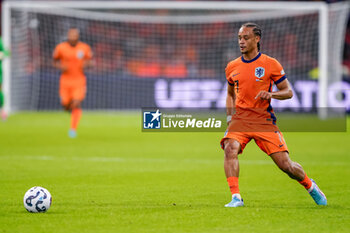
(268, 137)
(72, 92)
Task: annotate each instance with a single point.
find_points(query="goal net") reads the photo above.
(169, 54)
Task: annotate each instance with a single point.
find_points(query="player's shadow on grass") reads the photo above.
(50, 212)
(293, 206)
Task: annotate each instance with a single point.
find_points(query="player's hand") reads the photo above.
(87, 64)
(264, 95)
(63, 67)
(2, 55)
(229, 119)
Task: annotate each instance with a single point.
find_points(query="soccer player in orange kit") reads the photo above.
(250, 115)
(72, 57)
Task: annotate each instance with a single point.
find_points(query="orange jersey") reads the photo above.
(73, 58)
(249, 78)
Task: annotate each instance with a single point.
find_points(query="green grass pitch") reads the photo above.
(114, 178)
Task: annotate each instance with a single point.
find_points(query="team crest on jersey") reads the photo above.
(80, 54)
(259, 72)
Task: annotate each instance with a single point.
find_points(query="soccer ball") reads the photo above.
(37, 199)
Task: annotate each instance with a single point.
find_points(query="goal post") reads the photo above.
(6, 37)
(29, 84)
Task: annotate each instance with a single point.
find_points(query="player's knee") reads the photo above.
(231, 151)
(75, 104)
(66, 107)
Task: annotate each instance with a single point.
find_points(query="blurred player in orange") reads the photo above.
(72, 57)
(250, 115)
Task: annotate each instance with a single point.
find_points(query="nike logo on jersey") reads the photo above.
(234, 75)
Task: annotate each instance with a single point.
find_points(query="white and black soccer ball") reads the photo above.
(37, 199)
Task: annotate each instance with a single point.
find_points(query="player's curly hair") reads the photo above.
(256, 30)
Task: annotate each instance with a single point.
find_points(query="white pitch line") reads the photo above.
(157, 160)
(120, 159)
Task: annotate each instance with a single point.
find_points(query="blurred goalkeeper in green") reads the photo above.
(3, 53)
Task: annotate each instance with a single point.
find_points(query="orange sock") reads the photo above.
(306, 182)
(233, 184)
(75, 117)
